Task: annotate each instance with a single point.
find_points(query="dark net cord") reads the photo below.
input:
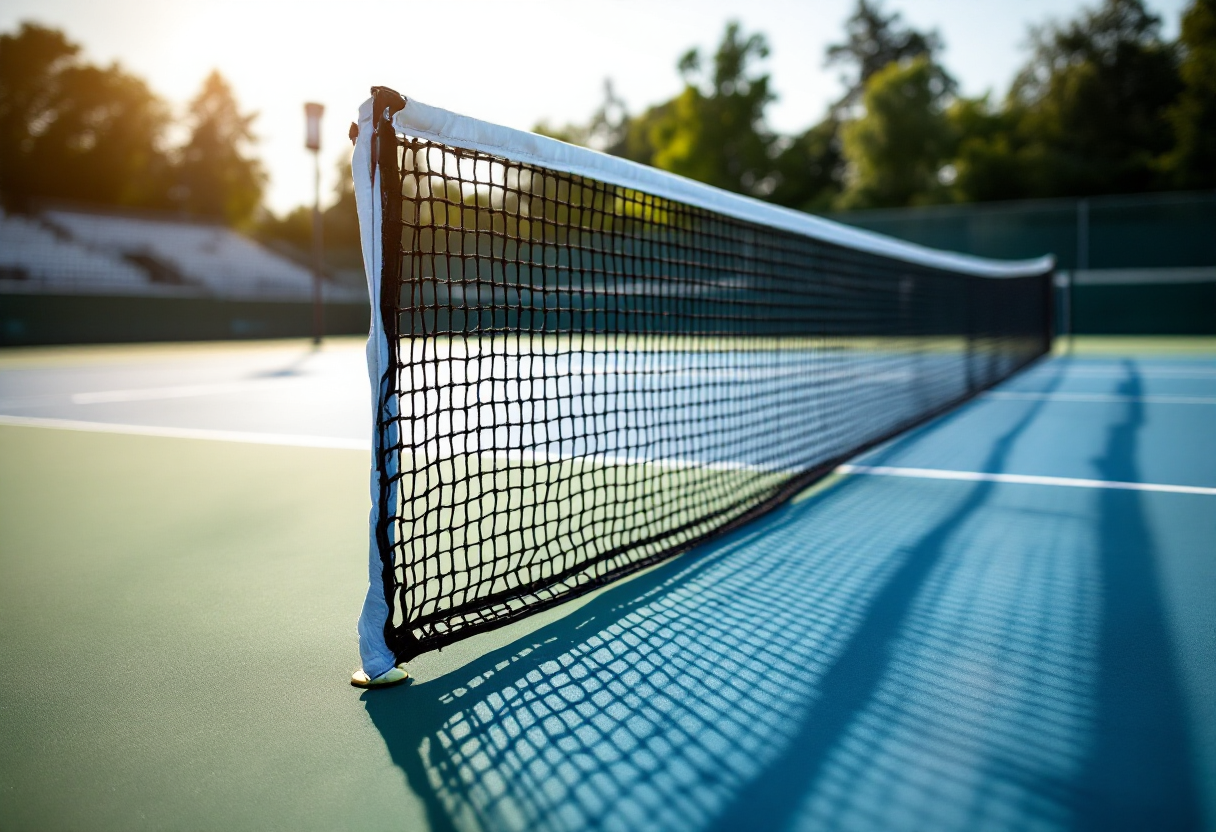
(588, 379)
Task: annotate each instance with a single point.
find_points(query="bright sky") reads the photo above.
(514, 62)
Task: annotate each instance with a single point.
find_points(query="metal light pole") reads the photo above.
(312, 140)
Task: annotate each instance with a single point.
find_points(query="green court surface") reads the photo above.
(177, 631)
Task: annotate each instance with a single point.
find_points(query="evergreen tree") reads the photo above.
(218, 175)
(812, 168)
(873, 41)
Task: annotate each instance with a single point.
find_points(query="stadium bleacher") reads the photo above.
(34, 259)
(71, 251)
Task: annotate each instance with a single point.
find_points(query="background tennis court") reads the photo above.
(183, 550)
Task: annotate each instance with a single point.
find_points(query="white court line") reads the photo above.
(143, 394)
(301, 441)
(293, 440)
(365, 445)
(1022, 479)
(1146, 372)
(1097, 397)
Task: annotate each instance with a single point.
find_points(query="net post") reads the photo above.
(1069, 297)
(386, 102)
(970, 324)
(1050, 313)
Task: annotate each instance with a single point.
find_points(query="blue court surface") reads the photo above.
(1003, 620)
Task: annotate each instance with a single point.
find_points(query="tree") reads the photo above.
(990, 156)
(872, 42)
(72, 130)
(30, 63)
(714, 130)
(897, 150)
(810, 170)
(1191, 163)
(1094, 99)
(219, 177)
(342, 217)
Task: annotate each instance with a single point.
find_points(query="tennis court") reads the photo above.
(972, 629)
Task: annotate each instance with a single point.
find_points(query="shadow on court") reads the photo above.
(885, 655)
(1137, 774)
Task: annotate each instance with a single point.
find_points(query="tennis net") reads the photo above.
(582, 366)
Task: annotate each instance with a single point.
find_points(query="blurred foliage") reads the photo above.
(898, 150)
(873, 41)
(217, 176)
(989, 151)
(713, 131)
(809, 169)
(1191, 162)
(606, 130)
(1102, 105)
(1091, 103)
(71, 130)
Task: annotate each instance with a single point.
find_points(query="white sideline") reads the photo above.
(248, 437)
(181, 391)
(427, 122)
(1097, 397)
(303, 441)
(1021, 479)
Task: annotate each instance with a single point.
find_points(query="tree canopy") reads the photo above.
(899, 148)
(218, 176)
(1191, 162)
(1103, 104)
(873, 41)
(73, 130)
(1092, 102)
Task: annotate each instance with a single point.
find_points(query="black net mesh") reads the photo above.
(587, 379)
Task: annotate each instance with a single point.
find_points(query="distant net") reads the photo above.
(584, 378)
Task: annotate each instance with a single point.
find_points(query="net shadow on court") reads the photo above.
(879, 655)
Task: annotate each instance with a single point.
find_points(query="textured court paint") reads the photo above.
(164, 599)
(177, 636)
(1176, 444)
(74, 355)
(283, 389)
(888, 654)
